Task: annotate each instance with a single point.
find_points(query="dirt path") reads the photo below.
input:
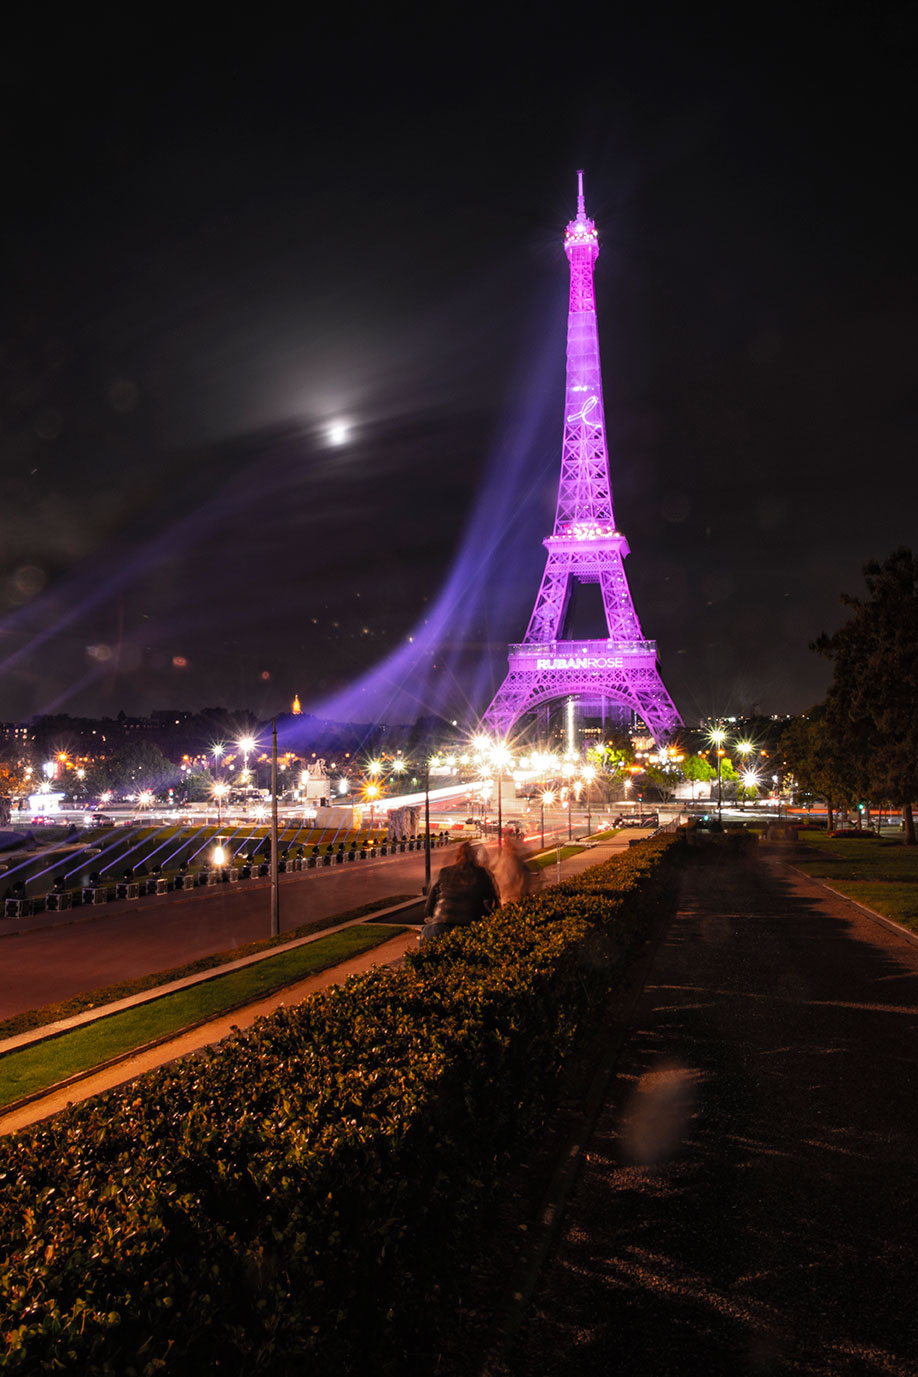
(747, 1201)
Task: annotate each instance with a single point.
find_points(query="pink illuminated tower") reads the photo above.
(621, 669)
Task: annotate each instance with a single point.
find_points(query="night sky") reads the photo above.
(219, 245)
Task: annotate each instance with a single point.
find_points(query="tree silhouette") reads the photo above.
(873, 700)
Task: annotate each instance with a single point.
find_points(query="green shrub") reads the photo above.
(302, 1194)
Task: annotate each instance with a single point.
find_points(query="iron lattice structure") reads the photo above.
(585, 546)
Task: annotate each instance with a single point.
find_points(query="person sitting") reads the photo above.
(514, 878)
(463, 893)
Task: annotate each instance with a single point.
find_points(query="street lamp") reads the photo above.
(275, 869)
(589, 774)
(246, 744)
(743, 749)
(717, 737)
(750, 782)
(500, 757)
(547, 798)
(426, 824)
(219, 792)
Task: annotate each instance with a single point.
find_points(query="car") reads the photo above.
(709, 824)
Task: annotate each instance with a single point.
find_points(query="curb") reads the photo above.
(881, 918)
(45, 1032)
(176, 1033)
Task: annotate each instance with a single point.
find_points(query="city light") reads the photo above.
(500, 756)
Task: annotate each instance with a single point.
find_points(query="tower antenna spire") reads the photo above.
(581, 204)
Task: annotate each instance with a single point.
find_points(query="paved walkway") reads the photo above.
(747, 1201)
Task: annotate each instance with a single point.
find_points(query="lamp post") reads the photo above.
(500, 757)
(426, 824)
(744, 747)
(275, 894)
(718, 736)
(219, 792)
(750, 784)
(548, 799)
(589, 774)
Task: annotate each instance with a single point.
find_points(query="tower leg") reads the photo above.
(639, 688)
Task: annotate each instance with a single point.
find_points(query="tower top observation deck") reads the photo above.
(581, 231)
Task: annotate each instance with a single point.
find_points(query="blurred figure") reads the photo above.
(512, 875)
(462, 893)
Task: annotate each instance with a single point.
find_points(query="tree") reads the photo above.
(15, 778)
(137, 765)
(197, 785)
(873, 698)
(817, 749)
(612, 758)
(698, 770)
(728, 771)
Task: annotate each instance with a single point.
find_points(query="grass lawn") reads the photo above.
(551, 857)
(892, 899)
(32, 1068)
(882, 874)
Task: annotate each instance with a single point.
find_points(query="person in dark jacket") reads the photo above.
(463, 893)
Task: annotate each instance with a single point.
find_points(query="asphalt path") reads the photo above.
(94, 947)
(747, 1200)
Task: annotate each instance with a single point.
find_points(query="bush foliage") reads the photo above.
(301, 1195)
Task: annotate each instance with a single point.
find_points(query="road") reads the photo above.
(94, 947)
(51, 957)
(746, 1204)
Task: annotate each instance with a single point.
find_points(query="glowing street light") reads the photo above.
(547, 800)
(219, 792)
(246, 745)
(717, 736)
(500, 757)
(750, 784)
(145, 798)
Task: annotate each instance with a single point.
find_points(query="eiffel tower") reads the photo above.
(585, 546)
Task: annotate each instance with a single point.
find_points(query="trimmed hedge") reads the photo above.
(304, 1194)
